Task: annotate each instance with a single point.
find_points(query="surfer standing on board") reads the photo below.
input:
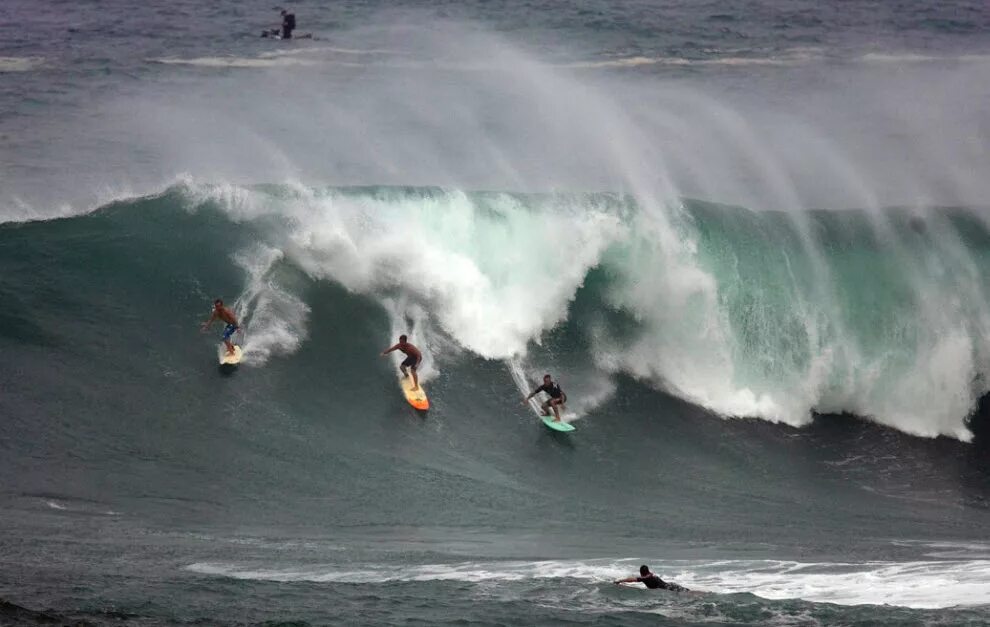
(557, 397)
(223, 313)
(288, 24)
(413, 357)
(652, 581)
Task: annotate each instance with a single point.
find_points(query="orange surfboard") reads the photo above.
(417, 398)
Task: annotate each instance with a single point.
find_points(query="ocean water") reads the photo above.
(749, 239)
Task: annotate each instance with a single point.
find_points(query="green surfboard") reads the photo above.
(555, 425)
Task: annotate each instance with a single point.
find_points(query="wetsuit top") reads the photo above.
(550, 388)
(653, 582)
(289, 21)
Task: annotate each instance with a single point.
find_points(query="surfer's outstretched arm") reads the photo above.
(206, 325)
(627, 580)
(389, 350)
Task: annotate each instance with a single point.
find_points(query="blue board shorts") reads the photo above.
(229, 330)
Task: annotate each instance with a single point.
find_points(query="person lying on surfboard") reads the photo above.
(223, 313)
(413, 357)
(652, 581)
(556, 400)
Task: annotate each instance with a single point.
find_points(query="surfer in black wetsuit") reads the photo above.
(285, 30)
(556, 400)
(652, 581)
(288, 24)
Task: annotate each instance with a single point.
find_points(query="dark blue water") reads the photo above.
(749, 239)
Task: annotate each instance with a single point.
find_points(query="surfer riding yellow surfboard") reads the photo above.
(413, 392)
(225, 314)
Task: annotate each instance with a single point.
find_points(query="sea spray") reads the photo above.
(274, 319)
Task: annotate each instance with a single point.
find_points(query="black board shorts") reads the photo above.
(410, 362)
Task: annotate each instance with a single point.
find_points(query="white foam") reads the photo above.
(309, 56)
(274, 319)
(478, 270)
(20, 64)
(931, 584)
(317, 50)
(327, 55)
(918, 584)
(639, 61)
(237, 62)
(913, 57)
(464, 571)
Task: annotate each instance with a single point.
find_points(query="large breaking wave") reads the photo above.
(748, 314)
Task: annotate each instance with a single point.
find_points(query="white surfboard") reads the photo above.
(227, 359)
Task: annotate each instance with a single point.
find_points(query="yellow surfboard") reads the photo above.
(226, 359)
(417, 398)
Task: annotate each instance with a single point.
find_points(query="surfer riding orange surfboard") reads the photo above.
(413, 357)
